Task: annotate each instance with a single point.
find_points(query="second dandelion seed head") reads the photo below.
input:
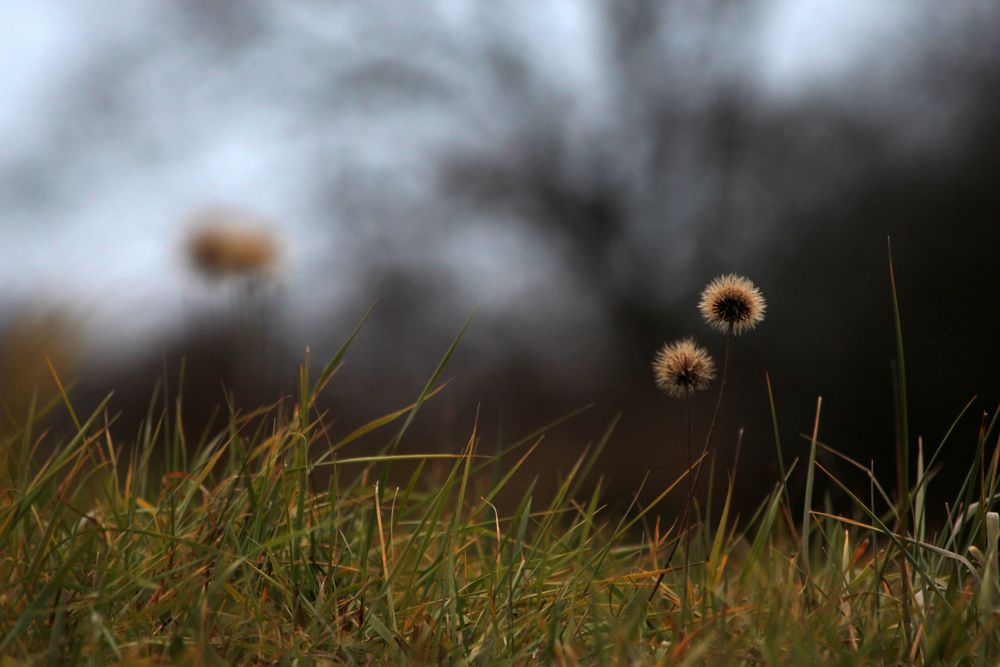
(683, 368)
(732, 304)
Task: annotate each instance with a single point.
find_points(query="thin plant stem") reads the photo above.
(693, 484)
(722, 389)
(687, 410)
(687, 532)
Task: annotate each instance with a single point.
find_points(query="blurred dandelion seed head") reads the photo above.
(682, 368)
(226, 242)
(732, 303)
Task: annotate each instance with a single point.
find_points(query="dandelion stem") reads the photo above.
(687, 532)
(722, 389)
(687, 410)
(693, 483)
(715, 414)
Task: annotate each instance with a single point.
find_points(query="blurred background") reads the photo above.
(229, 182)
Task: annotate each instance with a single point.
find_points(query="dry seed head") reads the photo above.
(683, 368)
(228, 242)
(732, 303)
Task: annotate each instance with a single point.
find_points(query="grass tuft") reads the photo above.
(269, 542)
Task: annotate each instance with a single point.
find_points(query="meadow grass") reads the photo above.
(270, 542)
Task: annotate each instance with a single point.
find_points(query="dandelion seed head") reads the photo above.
(229, 243)
(682, 368)
(732, 304)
